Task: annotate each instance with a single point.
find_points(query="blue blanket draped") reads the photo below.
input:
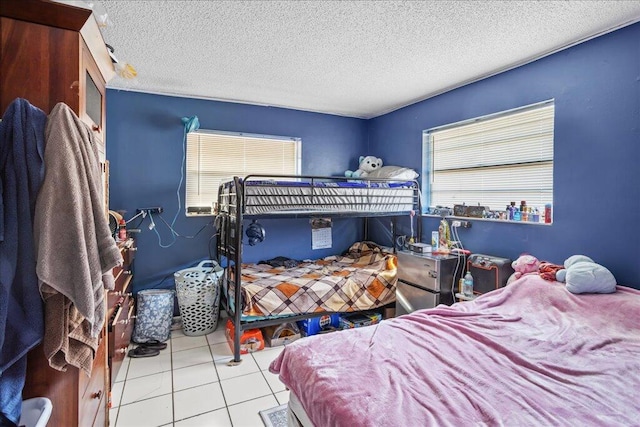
(22, 146)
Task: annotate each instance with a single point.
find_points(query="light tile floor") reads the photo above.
(190, 384)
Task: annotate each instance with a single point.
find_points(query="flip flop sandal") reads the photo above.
(154, 344)
(143, 352)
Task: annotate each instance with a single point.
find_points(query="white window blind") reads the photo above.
(493, 160)
(213, 157)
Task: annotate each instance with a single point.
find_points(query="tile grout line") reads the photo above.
(115, 422)
(215, 366)
(173, 393)
(273, 393)
(219, 381)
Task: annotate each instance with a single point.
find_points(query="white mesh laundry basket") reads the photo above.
(198, 291)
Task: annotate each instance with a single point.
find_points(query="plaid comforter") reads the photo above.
(363, 279)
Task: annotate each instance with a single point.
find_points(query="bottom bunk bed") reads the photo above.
(364, 278)
(528, 354)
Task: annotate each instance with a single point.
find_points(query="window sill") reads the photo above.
(198, 215)
(504, 221)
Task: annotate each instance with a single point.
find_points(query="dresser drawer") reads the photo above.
(129, 254)
(92, 394)
(120, 330)
(101, 416)
(121, 288)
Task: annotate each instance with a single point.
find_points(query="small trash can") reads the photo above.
(154, 315)
(198, 291)
(36, 412)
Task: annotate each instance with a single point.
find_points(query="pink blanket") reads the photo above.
(530, 354)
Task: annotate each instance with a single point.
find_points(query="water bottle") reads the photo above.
(467, 285)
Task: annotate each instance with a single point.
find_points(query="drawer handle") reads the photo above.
(123, 322)
(127, 272)
(120, 293)
(97, 395)
(122, 350)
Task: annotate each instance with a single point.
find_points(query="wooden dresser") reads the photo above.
(52, 52)
(121, 309)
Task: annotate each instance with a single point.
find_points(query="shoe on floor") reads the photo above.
(153, 344)
(141, 351)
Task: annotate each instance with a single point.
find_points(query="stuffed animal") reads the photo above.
(525, 264)
(583, 275)
(367, 164)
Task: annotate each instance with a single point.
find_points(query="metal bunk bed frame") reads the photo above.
(229, 241)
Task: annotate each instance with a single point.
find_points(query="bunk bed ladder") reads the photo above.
(237, 277)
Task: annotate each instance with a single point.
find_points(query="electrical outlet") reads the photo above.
(153, 210)
(460, 223)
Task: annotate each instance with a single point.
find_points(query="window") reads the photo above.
(214, 156)
(492, 160)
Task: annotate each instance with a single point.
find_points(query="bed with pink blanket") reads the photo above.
(530, 354)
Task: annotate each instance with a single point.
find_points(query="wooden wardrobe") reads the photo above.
(49, 53)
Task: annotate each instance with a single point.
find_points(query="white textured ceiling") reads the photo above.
(350, 58)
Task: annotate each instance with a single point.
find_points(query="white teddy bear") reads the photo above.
(584, 275)
(367, 164)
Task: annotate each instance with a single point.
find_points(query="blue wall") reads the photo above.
(144, 149)
(596, 87)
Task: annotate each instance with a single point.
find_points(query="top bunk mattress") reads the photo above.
(322, 194)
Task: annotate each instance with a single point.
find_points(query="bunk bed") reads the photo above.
(299, 196)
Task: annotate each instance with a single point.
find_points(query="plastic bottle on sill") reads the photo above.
(524, 212)
(536, 215)
(467, 285)
(547, 213)
(122, 230)
(516, 214)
